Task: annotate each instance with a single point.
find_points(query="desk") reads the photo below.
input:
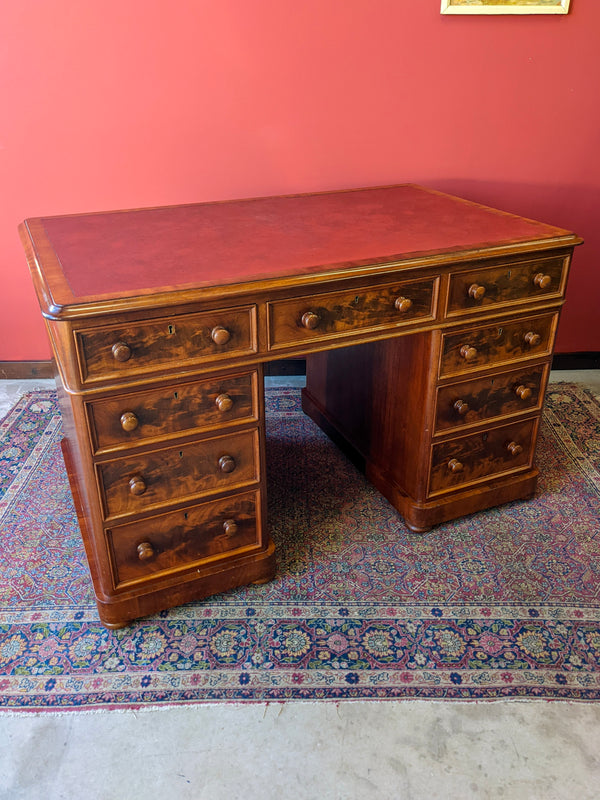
(427, 321)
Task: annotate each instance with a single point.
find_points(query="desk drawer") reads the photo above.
(184, 539)
(137, 484)
(486, 287)
(323, 316)
(470, 402)
(480, 347)
(121, 351)
(140, 417)
(472, 459)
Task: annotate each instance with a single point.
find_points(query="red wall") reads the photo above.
(126, 103)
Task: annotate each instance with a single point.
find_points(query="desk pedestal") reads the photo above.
(384, 405)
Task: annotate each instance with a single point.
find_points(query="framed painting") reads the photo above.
(505, 6)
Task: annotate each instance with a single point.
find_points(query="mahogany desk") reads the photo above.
(428, 323)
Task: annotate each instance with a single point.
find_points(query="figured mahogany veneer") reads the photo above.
(146, 416)
(474, 401)
(493, 345)
(183, 538)
(428, 322)
(507, 285)
(122, 351)
(152, 479)
(481, 456)
(320, 317)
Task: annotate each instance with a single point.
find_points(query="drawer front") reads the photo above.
(491, 345)
(141, 417)
(182, 539)
(322, 316)
(486, 287)
(474, 401)
(472, 459)
(140, 483)
(138, 348)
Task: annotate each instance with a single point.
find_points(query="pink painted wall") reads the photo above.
(118, 103)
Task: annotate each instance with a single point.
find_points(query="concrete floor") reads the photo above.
(517, 750)
(410, 750)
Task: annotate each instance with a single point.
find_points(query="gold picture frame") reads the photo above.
(505, 6)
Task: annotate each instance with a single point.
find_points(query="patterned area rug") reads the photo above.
(501, 604)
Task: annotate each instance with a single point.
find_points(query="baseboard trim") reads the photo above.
(25, 370)
(589, 360)
(288, 366)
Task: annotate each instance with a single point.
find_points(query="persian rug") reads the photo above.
(502, 604)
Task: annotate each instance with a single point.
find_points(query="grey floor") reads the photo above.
(514, 750)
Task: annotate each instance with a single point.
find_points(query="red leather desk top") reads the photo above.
(210, 244)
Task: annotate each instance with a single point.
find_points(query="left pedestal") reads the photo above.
(168, 484)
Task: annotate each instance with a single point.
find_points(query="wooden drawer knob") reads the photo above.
(310, 320)
(137, 485)
(461, 407)
(227, 463)
(129, 421)
(542, 281)
(455, 466)
(230, 527)
(514, 449)
(145, 551)
(403, 304)
(468, 353)
(532, 339)
(224, 402)
(523, 392)
(121, 351)
(220, 335)
(476, 291)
